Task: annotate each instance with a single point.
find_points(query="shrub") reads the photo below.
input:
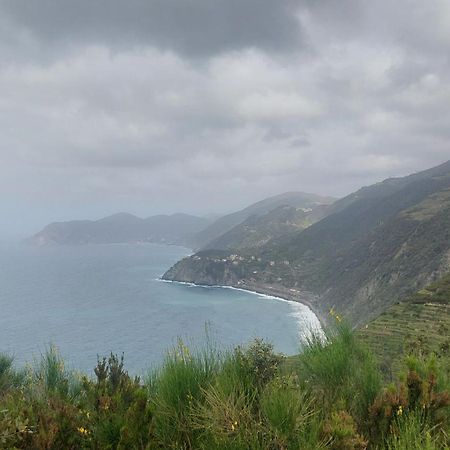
(260, 361)
(289, 416)
(341, 433)
(225, 420)
(112, 402)
(417, 391)
(177, 386)
(412, 432)
(49, 377)
(249, 398)
(136, 432)
(338, 368)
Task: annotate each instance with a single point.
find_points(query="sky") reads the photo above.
(205, 106)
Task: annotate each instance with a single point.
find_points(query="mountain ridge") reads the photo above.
(226, 223)
(178, 228)
(121, 228)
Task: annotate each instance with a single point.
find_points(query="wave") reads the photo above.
(307, 321)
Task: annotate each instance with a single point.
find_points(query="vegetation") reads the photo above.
(226, 229)
(331, 396)
(420, 323)
(257, 230)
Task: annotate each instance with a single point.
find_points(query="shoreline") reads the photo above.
(292, 295)
(276, 292)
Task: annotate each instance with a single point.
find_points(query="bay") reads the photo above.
(96, 299)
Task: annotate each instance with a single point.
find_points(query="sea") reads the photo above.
(92, 300)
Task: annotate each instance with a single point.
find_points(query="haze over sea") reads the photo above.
(90, 300)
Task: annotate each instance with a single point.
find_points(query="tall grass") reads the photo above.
(413, 432)
(176, 387)
(290, 415)
(6, 373)
(340, 371)
(330, 396)
(50, 377)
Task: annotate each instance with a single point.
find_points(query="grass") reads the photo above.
(331, 396)
(5, 372)
(177, 387)
(341, 369)
(413, 433)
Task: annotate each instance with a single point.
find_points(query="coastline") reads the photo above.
(271, 291)
(292, 295)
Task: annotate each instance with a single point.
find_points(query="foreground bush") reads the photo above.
(330, 396)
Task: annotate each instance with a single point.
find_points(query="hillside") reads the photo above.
(121, 228)
(258, 230)
(419, 324)
(205, 238)
(375, 247)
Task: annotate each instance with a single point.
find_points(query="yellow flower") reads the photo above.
(83, 430)
(400, 410)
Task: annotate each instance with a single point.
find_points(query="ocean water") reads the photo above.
(92, 300)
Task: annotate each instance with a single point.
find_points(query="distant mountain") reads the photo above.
(374, 247)
(206, 238)
(121, 228)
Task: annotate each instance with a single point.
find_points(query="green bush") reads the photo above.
(260, 361)
(289, 415)
(340, 371)
(417, 394)
(177, 386)
(225, 420)
(412, 432)
(341, 432)
(330, 396)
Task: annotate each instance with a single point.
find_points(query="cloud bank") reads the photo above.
(204, 106)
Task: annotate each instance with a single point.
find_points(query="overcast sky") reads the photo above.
(203, 106)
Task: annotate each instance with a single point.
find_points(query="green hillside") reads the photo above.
(374, 248)
(420, 324)
(258, 230)
(204, 238)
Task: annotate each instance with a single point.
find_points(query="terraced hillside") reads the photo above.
(420, 324)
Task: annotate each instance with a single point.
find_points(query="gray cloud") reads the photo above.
(202, 106)
(192, 27)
